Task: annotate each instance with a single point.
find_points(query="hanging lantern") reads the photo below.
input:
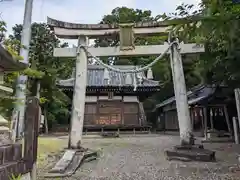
(128, 80)
(149, 74)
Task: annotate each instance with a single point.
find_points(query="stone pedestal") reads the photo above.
(190, 153)
(110, 134)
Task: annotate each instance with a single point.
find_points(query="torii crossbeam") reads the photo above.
(73, 31)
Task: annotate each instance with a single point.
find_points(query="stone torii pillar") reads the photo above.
(126, 48)
(184, 121)
(78, 105)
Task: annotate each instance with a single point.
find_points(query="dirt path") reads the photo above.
(142, 158)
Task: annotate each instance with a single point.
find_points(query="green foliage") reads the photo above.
(33, 73)
(6, 103)
(44, 69)
(216, 25)
(13, 45)
(43, 100)
(12, 177)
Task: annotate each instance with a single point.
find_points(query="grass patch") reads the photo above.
(49, 146)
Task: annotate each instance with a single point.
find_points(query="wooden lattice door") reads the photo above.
(131, 113)
(109, 112)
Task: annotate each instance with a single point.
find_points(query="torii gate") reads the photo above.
(81, 32)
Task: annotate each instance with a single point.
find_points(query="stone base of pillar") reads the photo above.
(190, 153)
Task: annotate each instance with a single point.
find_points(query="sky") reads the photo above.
(80, 11)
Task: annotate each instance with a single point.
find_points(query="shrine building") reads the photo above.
(116, 102)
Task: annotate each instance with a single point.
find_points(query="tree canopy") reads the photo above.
(215, 24)
(45, 69)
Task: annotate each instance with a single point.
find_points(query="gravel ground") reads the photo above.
(142, 158)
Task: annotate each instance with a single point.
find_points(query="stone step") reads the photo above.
(190, 154)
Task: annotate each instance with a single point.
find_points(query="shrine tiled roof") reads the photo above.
(195, 95)
(95, 78)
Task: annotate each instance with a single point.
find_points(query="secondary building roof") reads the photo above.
(8, 64)
(194, 96)
(95, 79)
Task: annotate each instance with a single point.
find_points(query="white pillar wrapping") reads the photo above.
(79, 95)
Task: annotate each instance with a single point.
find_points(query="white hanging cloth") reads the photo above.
(106, 76)
(149, 74)
(128, 79)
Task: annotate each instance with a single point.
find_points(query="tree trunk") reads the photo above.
(45, 120)
(184, 121)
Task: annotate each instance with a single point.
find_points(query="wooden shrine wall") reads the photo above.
(171, 120)
(131, 113)
(114, 112)
(216, 118)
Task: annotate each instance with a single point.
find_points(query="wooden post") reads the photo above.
(227, 120)
(192, 117)
(236, 130)
(211, 119)
(205, 121)
(237, 98)
(45, 120)
(202, 121)
(78, 106)
(184, 121)
(31, 135)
